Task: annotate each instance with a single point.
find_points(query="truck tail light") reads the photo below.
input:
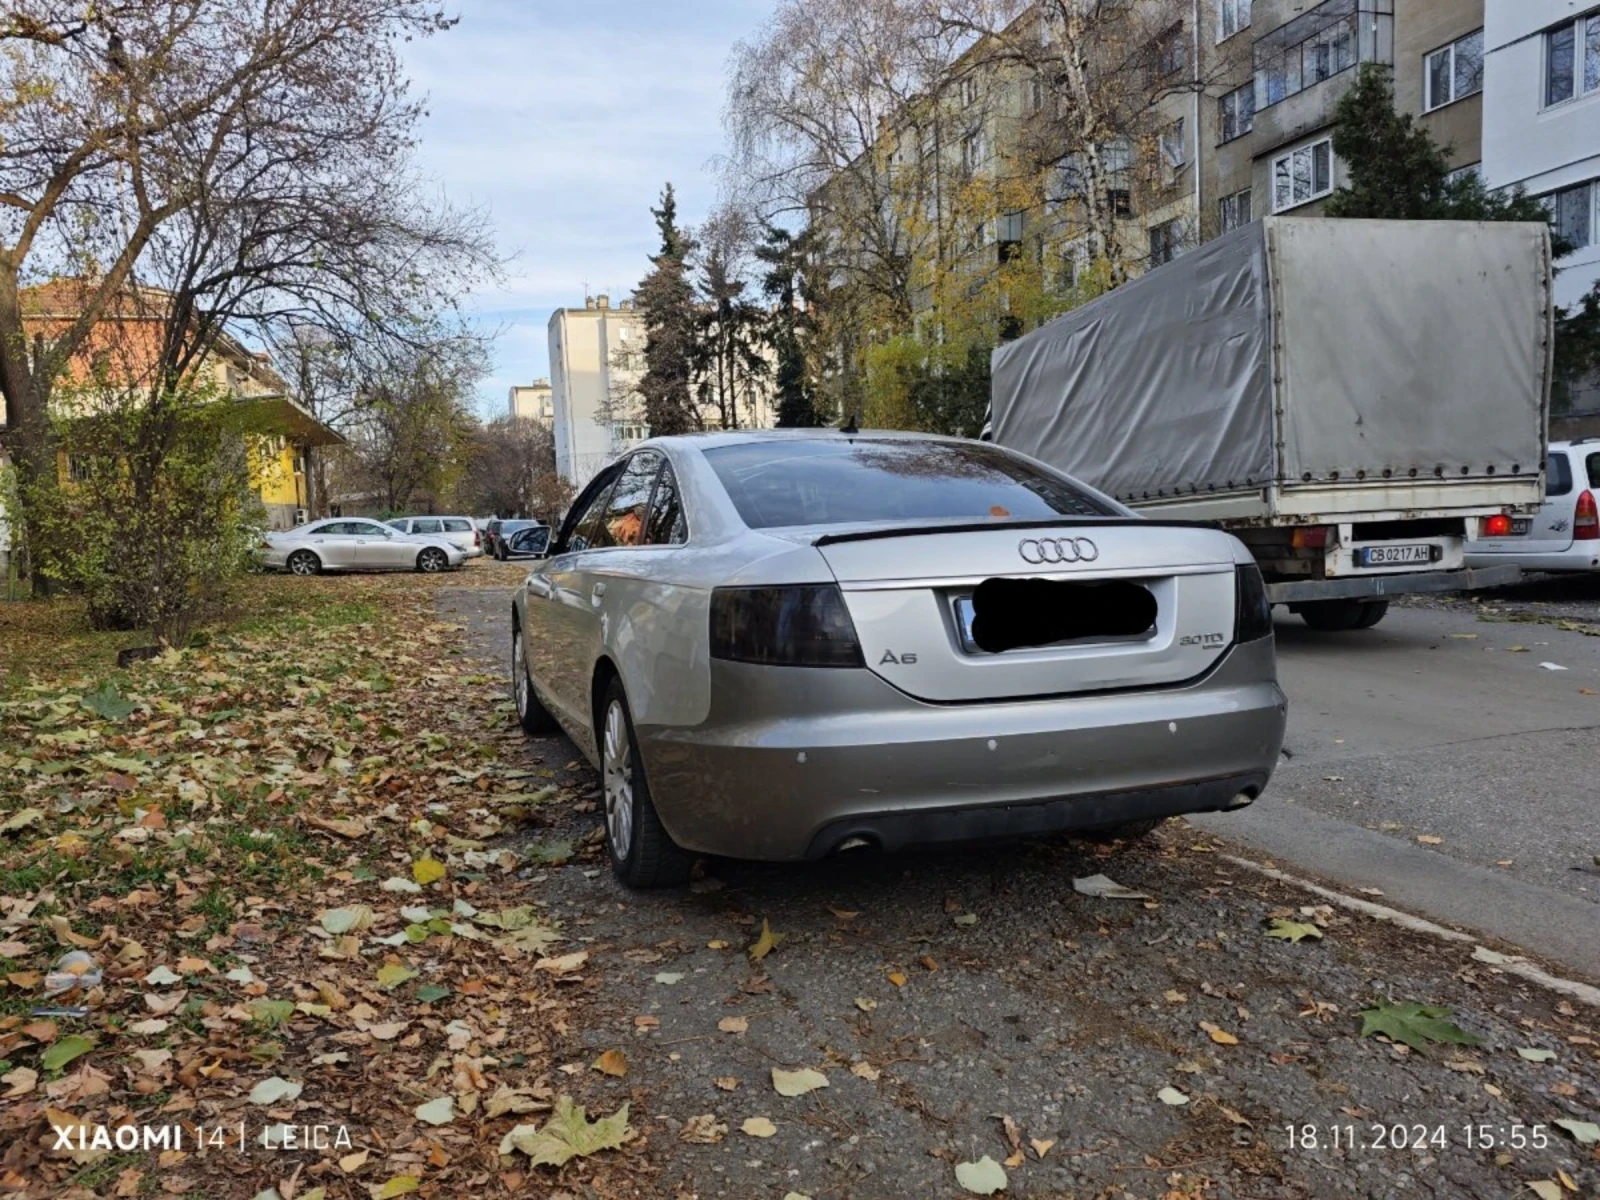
(1498, 525)
(806, 625)
(1312, 537)
(1586, 521)
(1252, 610)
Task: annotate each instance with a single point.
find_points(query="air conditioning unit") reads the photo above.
(301, 516)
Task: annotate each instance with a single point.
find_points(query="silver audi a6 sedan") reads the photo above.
(778, 645)
(356, 544)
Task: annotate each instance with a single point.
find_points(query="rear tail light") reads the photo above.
(1586, 521)
(1498, 525)
(1252, 610)
(1311, 537)
(799, 626)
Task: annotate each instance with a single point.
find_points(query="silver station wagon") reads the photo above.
(779, 645)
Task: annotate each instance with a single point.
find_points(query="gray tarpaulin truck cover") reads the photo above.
(1296, 351)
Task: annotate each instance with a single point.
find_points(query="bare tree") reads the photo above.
(236, 151)
(509, 464)
(731, 353)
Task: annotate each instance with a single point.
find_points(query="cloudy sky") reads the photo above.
(562, 121)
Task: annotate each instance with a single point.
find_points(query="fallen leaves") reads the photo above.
(63, 1052)
(565, 964)
(427, 870)
(1585, 1133)
(982, 1178)
(1218, 1035)
(1415, 1025)
(1292, 931)
(704, 1130)
(766, 943)
(734, 1025)
(274, 1090)
(797, 1083)
(1172, 1096)
(568, 1134)
(612, 1062)
(440, 1111)
(1103, 887)
(758, 1127)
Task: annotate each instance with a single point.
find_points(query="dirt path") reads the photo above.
(949, 998)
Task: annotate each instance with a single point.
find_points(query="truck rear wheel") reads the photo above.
(1333, 616)
(1373, 611)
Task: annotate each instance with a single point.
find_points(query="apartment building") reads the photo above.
(532, 402)
(1541, 120)
(596, 356)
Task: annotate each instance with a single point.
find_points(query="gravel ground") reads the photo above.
(1547, 599)
(951, 997)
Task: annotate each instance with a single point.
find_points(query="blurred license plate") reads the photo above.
(1520, 526)
(1394, 556)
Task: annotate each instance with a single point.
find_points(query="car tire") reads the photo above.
(642, 853)
(432, 560)
(534, 717)
(499, 553)
(1372, 612)
(303, 563)
(1333, 616)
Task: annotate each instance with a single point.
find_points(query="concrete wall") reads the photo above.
(1421, 27)
(1526, 143)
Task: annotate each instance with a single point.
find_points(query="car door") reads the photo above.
(380, 548)
(335, 544)
(557, 606)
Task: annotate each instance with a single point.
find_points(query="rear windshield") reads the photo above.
(839, 482)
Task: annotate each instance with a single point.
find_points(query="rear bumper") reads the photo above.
(1583, 556)
(1378, 587)
(792, 762)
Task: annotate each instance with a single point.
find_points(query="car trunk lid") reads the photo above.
(986, 613)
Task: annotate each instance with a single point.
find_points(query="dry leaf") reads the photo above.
(1041, 1146)
(704, 1130)
(797, 1083)
(865, 1070)
(766, 943)
(563, 965)
(612, 1062)
(726, 1082)
(734, 1024)
(1220, 1036)
(758, 1127)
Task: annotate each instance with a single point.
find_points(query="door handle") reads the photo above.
(597, 594)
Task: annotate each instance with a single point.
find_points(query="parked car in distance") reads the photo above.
(782, 645)
(1564, 535)
(506, 530)
(357, 544)
(533, 542)
(459, 531)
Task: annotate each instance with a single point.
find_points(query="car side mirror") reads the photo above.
(531, 545)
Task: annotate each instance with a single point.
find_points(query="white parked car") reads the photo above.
(356, 544)
(1564, 535)
(459, 531)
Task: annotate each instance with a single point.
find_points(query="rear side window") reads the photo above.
(1558, 476)
(666, 525)
(425, 527)
(835, 481)
(587, 529)
(457, 525)
(625, 511)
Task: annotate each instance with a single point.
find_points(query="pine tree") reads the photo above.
(1398, 171)
(784, 255)
(666, 301)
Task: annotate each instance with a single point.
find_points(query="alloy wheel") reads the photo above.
(302, 564)
(432, 560)
(519, 674)
(617, 772)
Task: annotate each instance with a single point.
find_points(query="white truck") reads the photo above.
(1352, 399)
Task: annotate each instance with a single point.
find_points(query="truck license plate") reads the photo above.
(1394, 556)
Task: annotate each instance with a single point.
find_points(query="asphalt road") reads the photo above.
(1446, 722)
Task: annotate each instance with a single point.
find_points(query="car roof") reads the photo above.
(735, 437)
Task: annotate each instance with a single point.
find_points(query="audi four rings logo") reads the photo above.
(1057, 550)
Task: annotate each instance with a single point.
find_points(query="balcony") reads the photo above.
(1304, 65)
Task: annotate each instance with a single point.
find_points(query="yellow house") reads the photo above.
(283, 435)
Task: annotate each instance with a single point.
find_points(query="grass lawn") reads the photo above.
(282, 856)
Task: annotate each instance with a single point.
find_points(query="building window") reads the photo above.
(1572, 59)
(630, 431)
(1232, 16)
(1172, 52)
(1311, 48)
(1473, 169)
(975, 151)
(1236, 112)
(1572, 210)
(1036, 94)
(1453, 72)
(1234, 210)
(1166, 242)
(1302, 175)
(969, 90)
(1120, 202)
(1173, 150)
